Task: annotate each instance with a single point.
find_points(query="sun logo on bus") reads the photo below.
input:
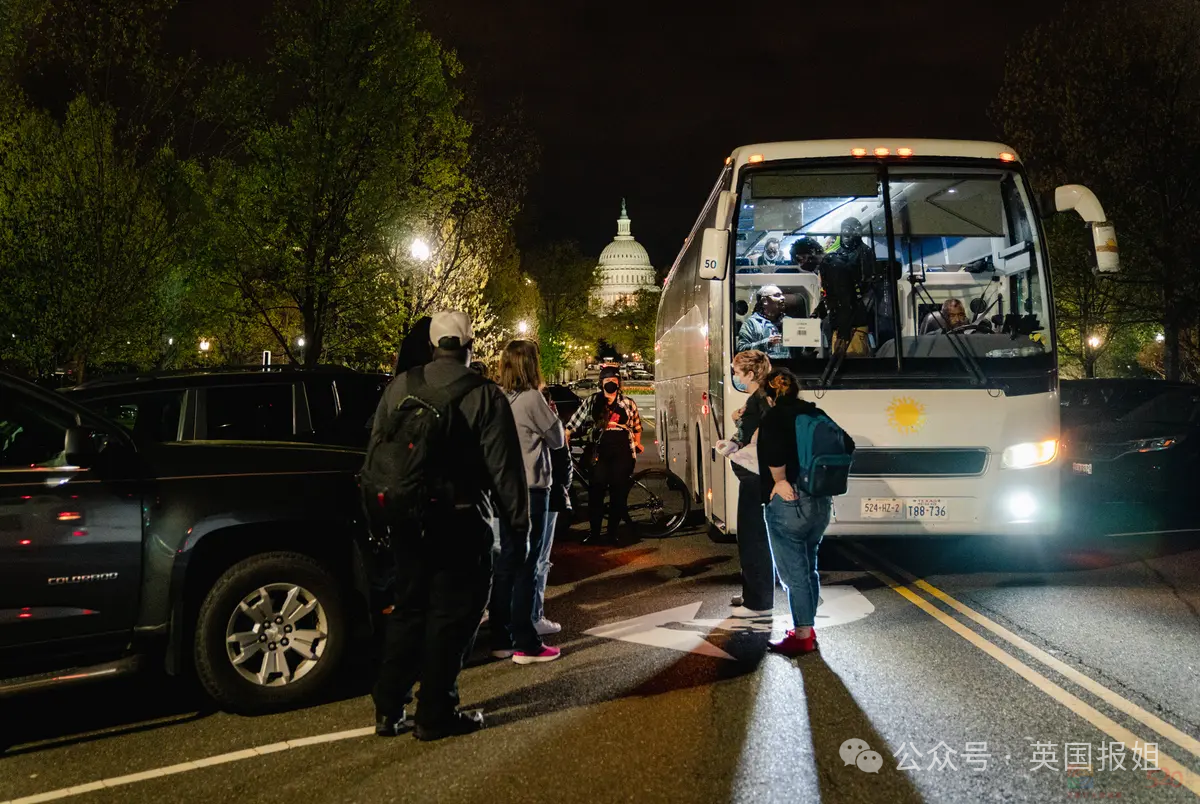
(906, 415)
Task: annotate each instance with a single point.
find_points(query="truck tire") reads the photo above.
(271, 633)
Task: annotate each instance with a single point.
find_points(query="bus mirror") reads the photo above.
(1108, 258)
(725, 206)
(714, 253)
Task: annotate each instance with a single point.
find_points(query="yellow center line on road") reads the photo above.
(1169, 766)
(1113, 699)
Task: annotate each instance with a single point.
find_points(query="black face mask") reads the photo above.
(611, 387)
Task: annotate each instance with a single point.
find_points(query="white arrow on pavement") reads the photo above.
(648, 630)
(839, 605)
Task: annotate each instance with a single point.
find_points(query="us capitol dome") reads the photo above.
(624, 268)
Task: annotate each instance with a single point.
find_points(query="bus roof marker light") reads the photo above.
(883, 151)
(858, 152)
(905, 152)
(1005, 156)
(755, 159)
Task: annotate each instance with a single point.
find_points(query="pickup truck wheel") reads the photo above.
(271, 632)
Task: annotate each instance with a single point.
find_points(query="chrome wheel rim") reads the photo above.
(276, 635)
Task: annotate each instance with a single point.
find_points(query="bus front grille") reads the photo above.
(911, 462)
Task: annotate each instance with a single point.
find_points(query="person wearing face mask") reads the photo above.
(750, 369)
(613, 429)
(772, 254)
(762, 330)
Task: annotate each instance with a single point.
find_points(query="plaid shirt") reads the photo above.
(582, 421)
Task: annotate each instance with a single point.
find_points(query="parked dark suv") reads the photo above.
(128, 542)
(322, 405)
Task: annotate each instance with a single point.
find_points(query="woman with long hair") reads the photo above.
(514, 594)
(613, 429)
(750, 370)
(796, 521)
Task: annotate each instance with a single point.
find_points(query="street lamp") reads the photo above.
(522, 327)
(1094, 341)
(205, 345)
(1160, 337)
(300, 342)
(420, 250)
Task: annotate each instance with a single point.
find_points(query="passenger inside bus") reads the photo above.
(763, 329)
(772, 254)
(807, 255)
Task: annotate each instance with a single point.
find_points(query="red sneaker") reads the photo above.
(793, 646)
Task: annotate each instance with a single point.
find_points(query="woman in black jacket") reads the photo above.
(796, 522)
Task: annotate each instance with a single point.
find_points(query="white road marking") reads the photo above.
(839, 605)
(183, 767)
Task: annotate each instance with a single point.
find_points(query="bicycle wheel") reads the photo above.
(659, 504)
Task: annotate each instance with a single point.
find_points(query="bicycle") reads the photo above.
(659, 503)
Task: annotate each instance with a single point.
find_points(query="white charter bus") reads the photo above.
(949, 385)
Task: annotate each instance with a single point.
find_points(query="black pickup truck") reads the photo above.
(248, 561)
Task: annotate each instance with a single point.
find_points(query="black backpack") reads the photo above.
(411, 461)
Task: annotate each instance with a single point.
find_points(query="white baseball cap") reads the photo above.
(451, 324)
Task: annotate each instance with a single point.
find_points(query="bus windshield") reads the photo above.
(958, 285)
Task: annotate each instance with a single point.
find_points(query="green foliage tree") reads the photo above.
(370, 136)
(1108, 94)
(565, 278)
(631, 328)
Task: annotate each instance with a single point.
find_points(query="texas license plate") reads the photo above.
(1081, 468)
(882, 508)
(926, 508)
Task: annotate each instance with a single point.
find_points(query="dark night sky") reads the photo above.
(645, 98)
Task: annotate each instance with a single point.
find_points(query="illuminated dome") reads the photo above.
(624, 268)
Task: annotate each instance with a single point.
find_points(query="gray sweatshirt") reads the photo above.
(540, 431)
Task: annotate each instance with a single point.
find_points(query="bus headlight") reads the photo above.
(1031, 453)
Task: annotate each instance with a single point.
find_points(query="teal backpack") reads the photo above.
(825, 456)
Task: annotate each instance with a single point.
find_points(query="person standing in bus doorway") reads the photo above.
(750, 369)
(613, 431)
(762, 329)
(796, 521)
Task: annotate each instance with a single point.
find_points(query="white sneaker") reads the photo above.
(741, 612)
(546, 627)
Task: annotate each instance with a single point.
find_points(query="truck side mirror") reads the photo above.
(714, 253)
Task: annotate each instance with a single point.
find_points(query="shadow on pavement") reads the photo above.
(835, 717)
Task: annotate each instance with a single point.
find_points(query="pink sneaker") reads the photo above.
(548, 654)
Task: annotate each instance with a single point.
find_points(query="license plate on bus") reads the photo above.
(923, 508)
(882, 508)
(1081, 468)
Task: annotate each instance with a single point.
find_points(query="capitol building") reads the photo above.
(624, 269)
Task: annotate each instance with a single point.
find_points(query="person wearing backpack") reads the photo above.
(804, 460)
(515, 594)
(444, 460)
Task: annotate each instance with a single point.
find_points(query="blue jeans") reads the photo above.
(795, 530)
(513, 594)
(543, 567)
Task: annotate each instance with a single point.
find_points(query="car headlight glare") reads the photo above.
(1153, 444)
(1031, 453)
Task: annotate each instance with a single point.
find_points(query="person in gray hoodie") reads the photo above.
(515, 605)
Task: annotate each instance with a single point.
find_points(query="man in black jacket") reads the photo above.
(444, 569)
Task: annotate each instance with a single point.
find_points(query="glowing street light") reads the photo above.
(420, 250)
(1160, 337)
(1094, 341)
(522, 327)
(300, 342)
(205, 345)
